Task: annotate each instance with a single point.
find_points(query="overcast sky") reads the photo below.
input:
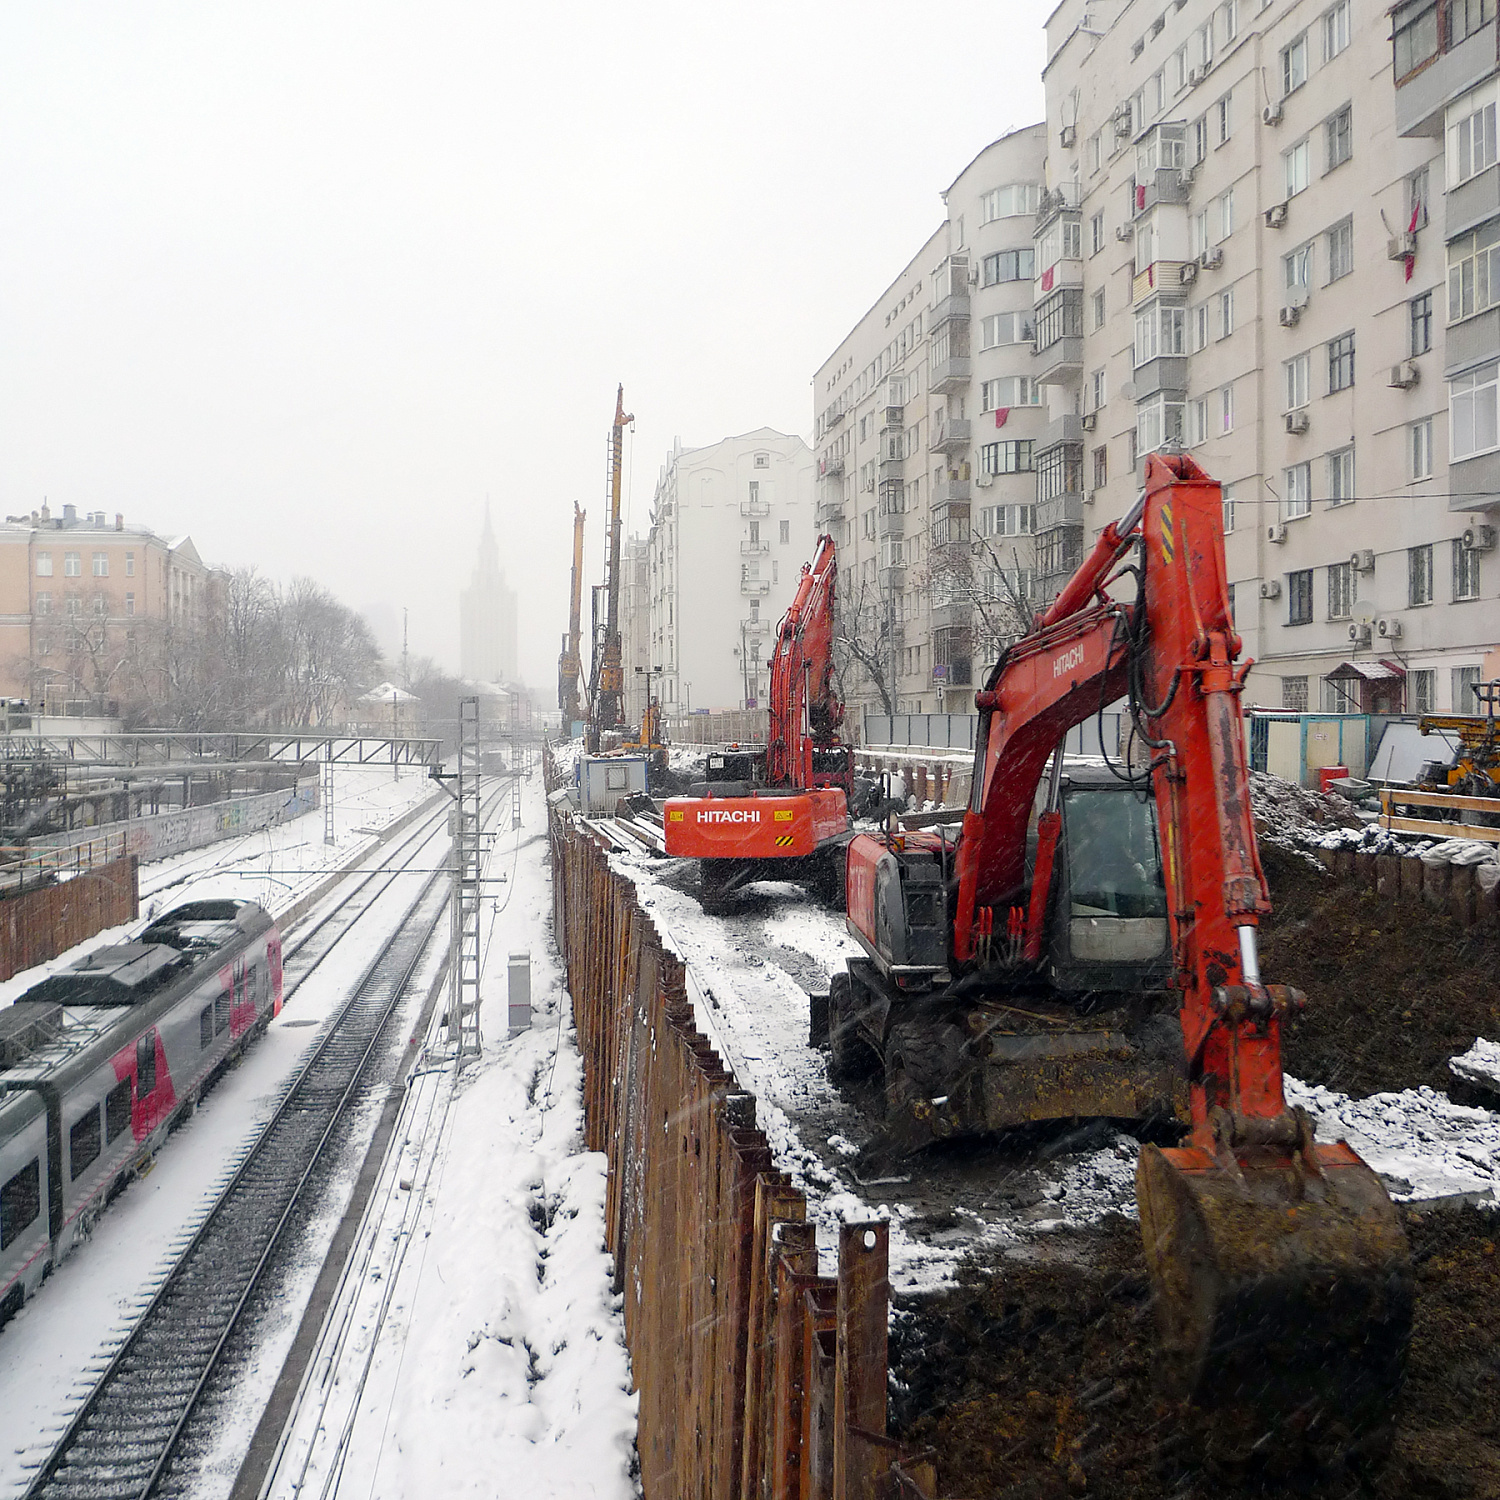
(312, 280)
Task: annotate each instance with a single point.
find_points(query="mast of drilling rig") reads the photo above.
(570, 663)
(606, 697)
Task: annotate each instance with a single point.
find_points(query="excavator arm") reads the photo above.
(1282, 1275)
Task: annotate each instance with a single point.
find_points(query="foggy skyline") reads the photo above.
(313, 283)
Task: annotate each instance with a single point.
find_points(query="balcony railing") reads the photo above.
(951, 374)
(754, 548)
(955, 305)
(754, 586)
(755, 508)
(950, 488)
(950, 434)
(830, 468)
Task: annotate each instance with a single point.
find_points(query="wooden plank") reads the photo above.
(1391, 796)
(1440, 830)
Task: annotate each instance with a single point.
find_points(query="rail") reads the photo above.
(756, 1375)
(181, 750)
(1393, 797)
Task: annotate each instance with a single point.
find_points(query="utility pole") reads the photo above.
(467, 855)
(405, 659)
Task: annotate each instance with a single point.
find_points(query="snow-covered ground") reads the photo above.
(85, 1306)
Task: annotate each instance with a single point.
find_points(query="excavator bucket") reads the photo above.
(1284, 1290)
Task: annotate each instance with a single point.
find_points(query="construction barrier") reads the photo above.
(758, 1378)
(37, 925)
(1453, 803)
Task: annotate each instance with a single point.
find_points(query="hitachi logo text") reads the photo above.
(1067, 661)
(729, 815)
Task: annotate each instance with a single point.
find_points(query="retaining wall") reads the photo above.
(37, 925)
(1468, 893)
(757, 1377)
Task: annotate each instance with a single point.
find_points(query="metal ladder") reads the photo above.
(467, 857)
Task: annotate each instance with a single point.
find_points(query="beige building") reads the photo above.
(731, 526)
(75, 591)
(1256, 246)
(928, 421)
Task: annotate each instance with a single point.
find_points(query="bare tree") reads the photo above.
(864, 639)
(970, 572)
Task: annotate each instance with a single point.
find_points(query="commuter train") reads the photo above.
(99, 1059)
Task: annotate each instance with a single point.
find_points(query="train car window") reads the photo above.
(252, 986)
(145, 1065)
(20, 1202)
(117, 1109)
(206, 1027)
(84, 1143)
(221, 1011)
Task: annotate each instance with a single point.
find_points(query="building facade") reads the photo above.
(1261, 244)
(487, 617)
(77, 591)
(927, 423)
(731, 526)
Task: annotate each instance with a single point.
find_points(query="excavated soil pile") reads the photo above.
(1394, 990)
(1033, 1380)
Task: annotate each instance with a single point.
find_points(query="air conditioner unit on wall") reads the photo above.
(1271, 114)
(1276, 532)
(1289, 315)
(1276, 216)
(1187, 272)
(1360, 634)
(1211, 259)
(1068, 134)
(1362, 561)
(1479, 539)
(1124, 233)
(1271, 589)
(1404, 375)
(1296, 422)
(1089, 420)
(1122, 119)
(1196, 76)
(1399, 246)
(1390, 630)
(983, 480)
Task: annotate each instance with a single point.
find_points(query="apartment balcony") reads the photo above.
(893, 577)
(1168, 372)
(950, 525)
(958, 673)
(956, 616)
(1060, 362)
(1164, 185)
(754, 549)
(891, 524)
(951, 374)
(1159, 276)
(1059, 510)
(953, 307)
(755, 628)
(755, 508)
(1065, 429)
(830, 468)
(950, 434)
(1066, 197)
(1439, 76)
(754, 587)
(950, 488)
(892, 470)
(832, 417)
(893, 419)
(829, 508)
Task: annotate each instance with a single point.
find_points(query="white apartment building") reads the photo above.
(1257, 246)
(731, 526)
(927, 419)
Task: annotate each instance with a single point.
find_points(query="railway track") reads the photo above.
(127, 1437)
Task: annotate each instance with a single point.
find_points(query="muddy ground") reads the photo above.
(1033, 1380)
(1394, 990)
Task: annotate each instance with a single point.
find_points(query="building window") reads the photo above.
(1226, 214)
(130, 604)
(1096, 234)
(1101, 466)
(101, 565)
(1294, 694)
(1472, 411)
(1299, 597)
(1465, 680)
(1099, 308)
(1471, 144)
(1100, 389)
(1159, 330)
(1226, 410)
(1200, 327)
(1009, 391)
(1335, 30)
(1197, 423)
(1465, 571)
(130, 564)
(1421, 324)
(44, 565)
(1421, 448)
(1226, 494)
(73, 605)
(1010, 201)
(1007, 265)
(1296, 161)
(1230, 11)
(1158, 423)
(72, 565)
(1297, 380)
(1006, 458)
(1415, 40)
(785, 534)
(1422, 685)
(1004, 328)
(1200, 139)
(1419, 575)
(1226, 312)
(1223, 119)
(1297, 268)
(1298, 483)
(1465, 17)
(1340, 363)
(1338, 131)
(1474, 272)
(1341, 250)
(762, 460)
(1294, 65)
(1340, 591)
(1341, 476)
(44, 603)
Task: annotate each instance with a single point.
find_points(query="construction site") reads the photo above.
(1162, 1092)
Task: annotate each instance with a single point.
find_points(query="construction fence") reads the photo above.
(757, 1377)
(37, 925)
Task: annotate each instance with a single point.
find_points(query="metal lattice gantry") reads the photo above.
(468, 858)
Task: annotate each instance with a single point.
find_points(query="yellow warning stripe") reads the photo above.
(784, 840)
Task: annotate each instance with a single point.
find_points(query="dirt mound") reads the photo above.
(1034, 1378)
(1394, 990)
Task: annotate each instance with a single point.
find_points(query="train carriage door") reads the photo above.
(243, 1016)
(273, 964)
(155, 1098)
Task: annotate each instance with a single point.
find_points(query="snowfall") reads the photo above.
(474, 1344)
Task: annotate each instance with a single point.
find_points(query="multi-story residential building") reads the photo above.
(635, 628)
(1242, 252)
(928, 420)
(731, 527)
(75, 591)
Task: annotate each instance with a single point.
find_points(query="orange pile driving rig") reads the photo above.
(1085, 945)
(781, 813)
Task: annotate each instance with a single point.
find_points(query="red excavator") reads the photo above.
(1086, 946)
(781, 813)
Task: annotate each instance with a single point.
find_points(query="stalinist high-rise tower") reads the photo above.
(487, 617)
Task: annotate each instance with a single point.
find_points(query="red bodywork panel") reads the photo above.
(859, 872)
(756, 826)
